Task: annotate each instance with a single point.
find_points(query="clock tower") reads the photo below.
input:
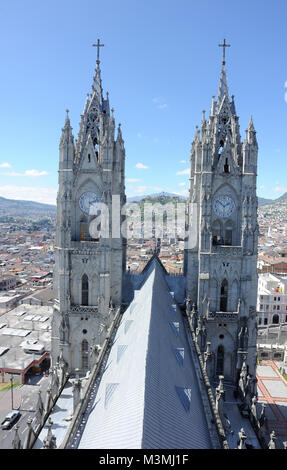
(89, 255)
(221, 258)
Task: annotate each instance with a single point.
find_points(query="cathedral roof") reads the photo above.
(148, 396)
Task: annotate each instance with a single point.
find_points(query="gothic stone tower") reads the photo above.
(88, 265)
(221, 265)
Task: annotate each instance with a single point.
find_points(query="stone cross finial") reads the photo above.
(224, 45)
(98, 45)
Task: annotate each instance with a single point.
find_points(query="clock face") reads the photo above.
(224, 206)
(87, 203)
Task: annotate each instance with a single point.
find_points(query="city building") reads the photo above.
(272, 299)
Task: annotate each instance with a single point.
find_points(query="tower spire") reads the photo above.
(223, 87)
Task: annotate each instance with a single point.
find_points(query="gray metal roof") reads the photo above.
(148, 396)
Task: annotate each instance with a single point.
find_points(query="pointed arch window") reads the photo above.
(220, 360)
(226, 166)
(83, 228)
(223, 296)
(228, 232)
(85, 354)
(85, 290)
(216, 233)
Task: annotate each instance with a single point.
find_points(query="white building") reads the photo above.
(272, 299)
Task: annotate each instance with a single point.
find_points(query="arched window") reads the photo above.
(226, 166)
(220, 360)
(216, 233)
(228, 230)
(275, 319)
(223, 296)
(85, 290)
(85, 354)
(234, 295)
(83, 228)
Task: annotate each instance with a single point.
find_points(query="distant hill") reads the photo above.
(20, 208)
(262, 201)
(156, 197)
(282, 198)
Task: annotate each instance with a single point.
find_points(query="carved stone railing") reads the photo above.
(229, 316)
(227, 250)
(84, 309)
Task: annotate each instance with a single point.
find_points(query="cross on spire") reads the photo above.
(98, 45)
(224, 45)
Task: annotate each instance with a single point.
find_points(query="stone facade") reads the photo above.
(89, 259)
(221, 254)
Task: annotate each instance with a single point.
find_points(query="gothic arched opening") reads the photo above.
(85, 290)
(228, 232)
(220, 360)
(223, 296)
(83, 228)
(275, 319)
(216, 233)
(85, 354)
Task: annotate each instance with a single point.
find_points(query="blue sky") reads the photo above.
(160, 65)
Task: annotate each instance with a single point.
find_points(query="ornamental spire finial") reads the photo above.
(98, 45)
(224, 45)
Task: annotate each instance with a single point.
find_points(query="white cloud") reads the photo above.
(5, 165)
(183, 172)
(141, 189)
(279, 189)
(30, 173)
(141, 166)
(132, 180)
(182, 184)
(26, 193)
(35, 173)
(184, 192)
(160, 103)
(182, 161)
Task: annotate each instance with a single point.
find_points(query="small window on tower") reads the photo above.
(89, 158)
(83, 229)
(226, 166)
(85, 290)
